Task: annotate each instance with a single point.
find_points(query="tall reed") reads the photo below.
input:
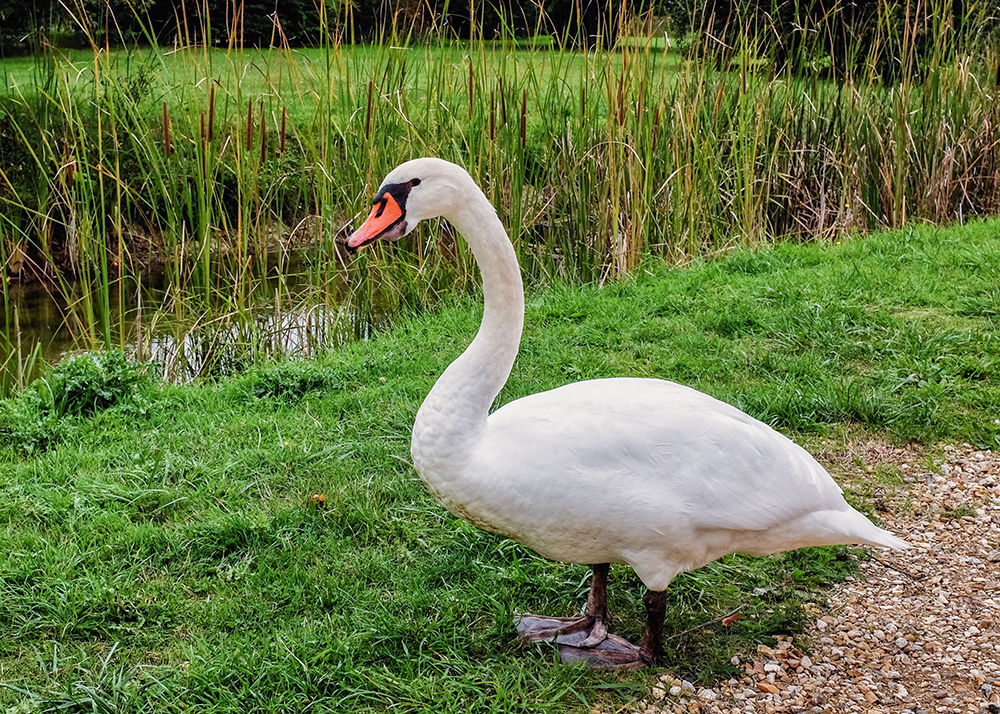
(216, 165)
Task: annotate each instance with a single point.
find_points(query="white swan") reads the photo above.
(638, 471)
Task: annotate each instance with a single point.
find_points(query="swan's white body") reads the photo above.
(639, 471)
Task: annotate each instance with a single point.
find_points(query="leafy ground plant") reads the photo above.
(262, 543)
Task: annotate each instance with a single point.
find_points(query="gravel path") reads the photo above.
(916, 633)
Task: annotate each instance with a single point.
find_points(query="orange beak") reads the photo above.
(385, 221)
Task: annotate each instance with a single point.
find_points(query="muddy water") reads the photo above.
(290, 316)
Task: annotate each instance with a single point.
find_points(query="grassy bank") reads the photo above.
(162, 549)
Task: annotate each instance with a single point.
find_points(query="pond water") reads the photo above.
(294, 314)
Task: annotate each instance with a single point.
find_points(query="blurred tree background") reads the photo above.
(28, 26)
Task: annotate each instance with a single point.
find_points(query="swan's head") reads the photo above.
(412, 192)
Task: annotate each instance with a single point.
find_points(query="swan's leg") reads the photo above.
(613, 652)
(586, 638)
(652, 642)
(597, 606)
(538, 629)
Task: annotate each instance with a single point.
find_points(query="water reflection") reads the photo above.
(300, 312)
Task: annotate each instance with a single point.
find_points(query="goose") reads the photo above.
(640, 471)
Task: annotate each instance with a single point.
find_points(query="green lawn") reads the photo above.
(160, 549)
(296, 78)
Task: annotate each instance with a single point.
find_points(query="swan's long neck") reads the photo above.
(453, 416)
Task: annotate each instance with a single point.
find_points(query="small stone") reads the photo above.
(675, 690)
(928, 622)
(708, 694)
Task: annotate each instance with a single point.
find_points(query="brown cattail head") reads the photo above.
(656, 126)
(524, 119)
(249, 124)
(167, 148)
(69, 164)
(368, 114)
(211, 114)
(281, 141)
(263, 135)
(503, 103)
(493, 115)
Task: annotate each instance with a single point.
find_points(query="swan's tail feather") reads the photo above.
(885, 539)
(864, 531)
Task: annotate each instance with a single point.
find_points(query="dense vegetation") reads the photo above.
(861, 39)
(206, 162)
(165, 549)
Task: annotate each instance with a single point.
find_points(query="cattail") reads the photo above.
(281, 142)
(204, 148)
(470, 89)
(167, 148)
(368, 115)
(524, 119)
(503, 103)
(402, 90)
(69, 164)
(656, 126)
(211, 114)
(718, 101)
(263, 135)
(493, 115)
(249, 124)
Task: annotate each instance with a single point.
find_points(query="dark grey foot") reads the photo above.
(612, 652)
(581, 639)
(535, 628)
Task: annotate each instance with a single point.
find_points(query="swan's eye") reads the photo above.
(414, 182)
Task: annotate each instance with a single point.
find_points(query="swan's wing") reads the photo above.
(646, 444)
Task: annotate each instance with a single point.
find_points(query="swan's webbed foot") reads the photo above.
(536, 628)
(582, 639)
(585, 639)
(611, 652)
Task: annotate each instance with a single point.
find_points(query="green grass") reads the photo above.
(160, 551)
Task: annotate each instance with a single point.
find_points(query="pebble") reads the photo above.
(914, 633)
